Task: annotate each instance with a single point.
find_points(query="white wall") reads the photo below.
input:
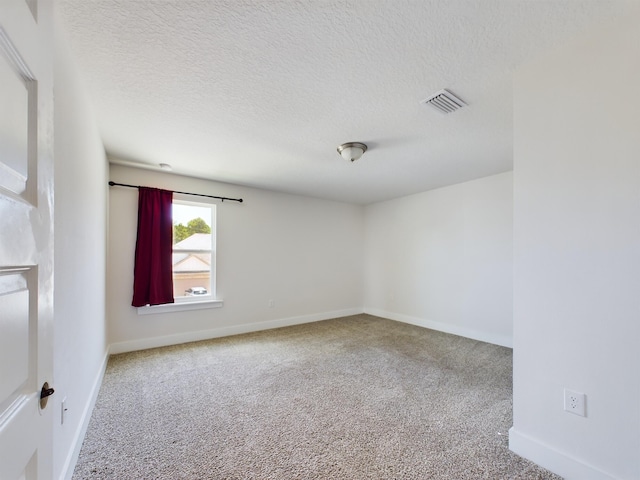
(577, 255)
(304, 253)
(80, 346)
(443, 259)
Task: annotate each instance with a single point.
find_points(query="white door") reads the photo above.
(26, 238)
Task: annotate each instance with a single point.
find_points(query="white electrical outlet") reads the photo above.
(575, 402)
(272, 303)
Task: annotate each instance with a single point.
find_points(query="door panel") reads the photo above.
(14, 138)
(26, 238)
(16, 357)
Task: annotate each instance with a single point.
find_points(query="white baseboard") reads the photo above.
(178, 338)
(501, 340)
(78, 438)
(556, 461)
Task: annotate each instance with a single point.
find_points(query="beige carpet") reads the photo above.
(352, 398)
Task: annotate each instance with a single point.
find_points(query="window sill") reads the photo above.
(179, 307)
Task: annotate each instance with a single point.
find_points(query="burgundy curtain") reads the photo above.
(152, 273)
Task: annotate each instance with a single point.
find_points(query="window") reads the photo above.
(194, 254)
(193, 258)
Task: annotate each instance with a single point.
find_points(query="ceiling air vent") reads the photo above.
(444, 101)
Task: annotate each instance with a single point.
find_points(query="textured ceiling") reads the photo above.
(261, 93)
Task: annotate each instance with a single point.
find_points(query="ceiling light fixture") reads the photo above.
(352, 151)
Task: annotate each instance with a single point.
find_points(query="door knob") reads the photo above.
(45, 393)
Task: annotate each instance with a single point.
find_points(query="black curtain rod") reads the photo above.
(111, 184)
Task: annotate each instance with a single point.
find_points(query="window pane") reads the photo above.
(190, 219)
(192, 245)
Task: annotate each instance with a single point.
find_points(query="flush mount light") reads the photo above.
(352, 151)
(166, 166)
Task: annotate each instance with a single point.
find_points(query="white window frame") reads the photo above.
(185, 303)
